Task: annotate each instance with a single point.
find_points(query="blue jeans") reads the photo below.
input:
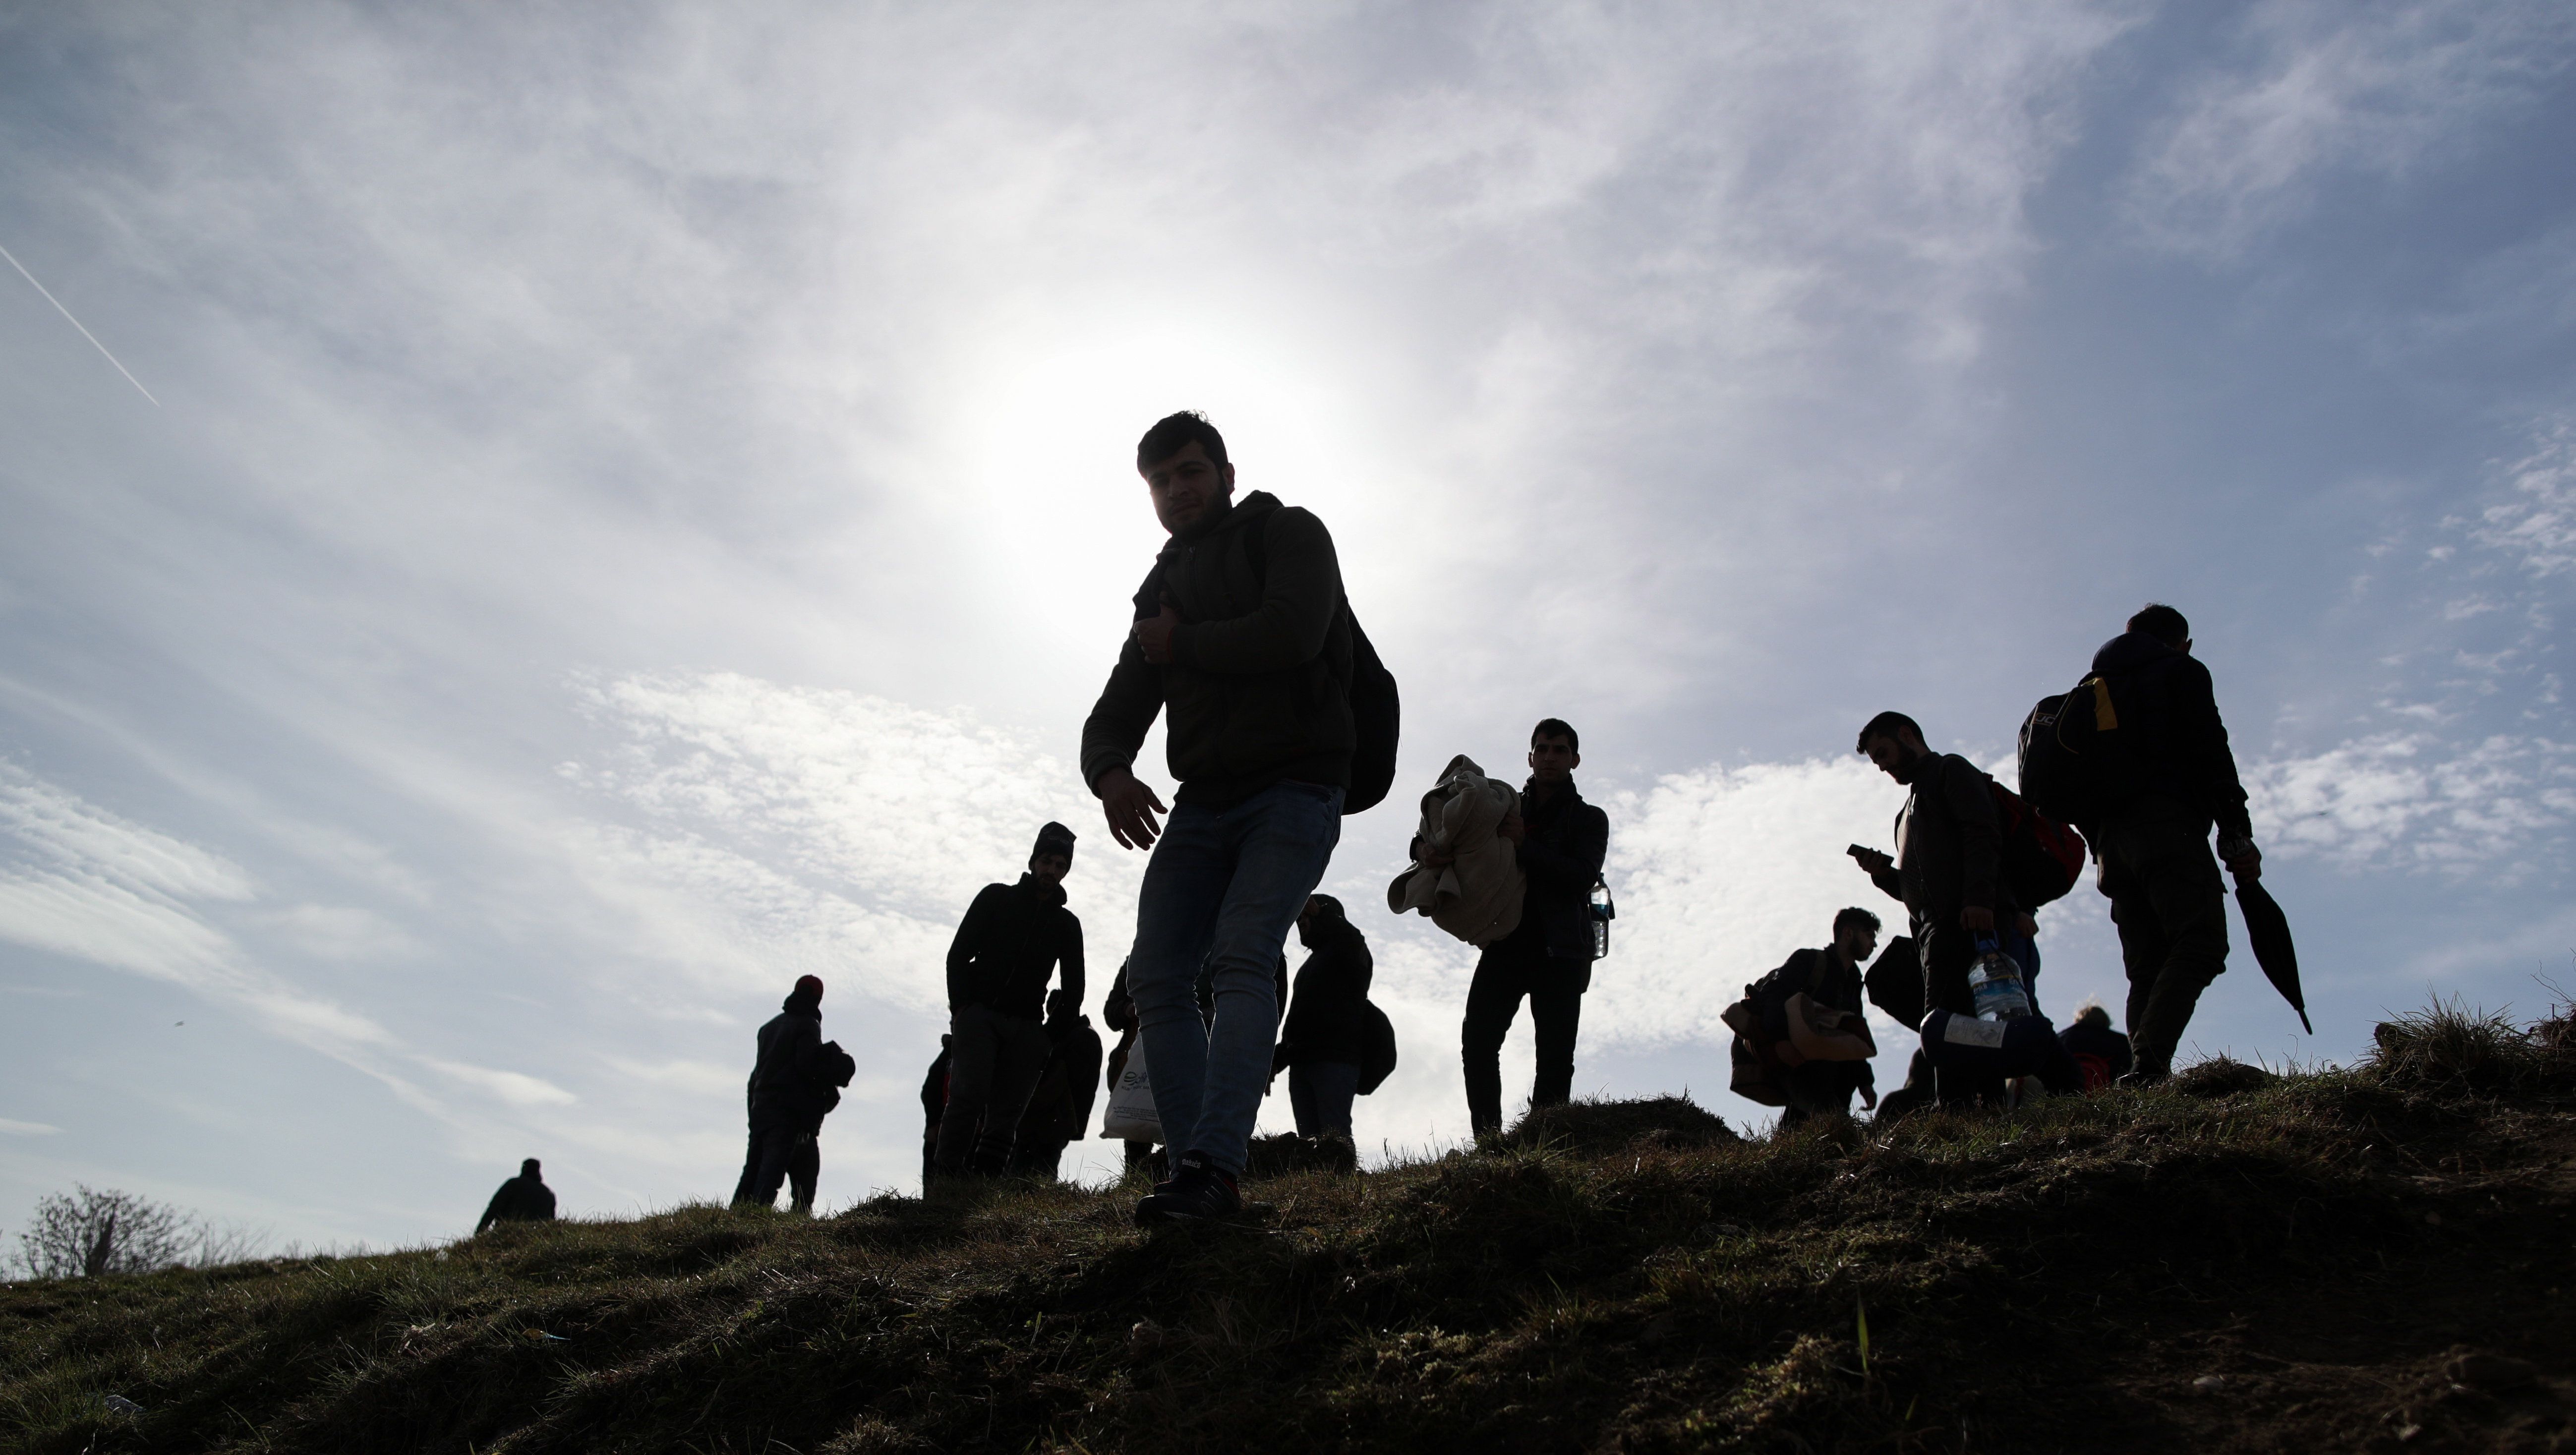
(1223, 889)
(1321, 1092)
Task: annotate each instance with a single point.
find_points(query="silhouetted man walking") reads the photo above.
(1559, 841)
(1948, 868)
(1011, 943)
(523, 1199)
(1241, 633)
(793, 1085)
(2178, 782)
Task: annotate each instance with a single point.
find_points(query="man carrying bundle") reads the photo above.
(1783, 1010)
(1559, 841)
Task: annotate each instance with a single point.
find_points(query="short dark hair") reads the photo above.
(1173, 433)
(1884, 726)
(2163, 623)
(1557, 727)
(1855, 916)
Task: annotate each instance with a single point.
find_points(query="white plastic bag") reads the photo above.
(1131, 1116)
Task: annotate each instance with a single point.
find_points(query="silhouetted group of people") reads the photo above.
(1280, 719)
(2135, 766)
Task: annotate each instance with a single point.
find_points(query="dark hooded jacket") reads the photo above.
(1014, 937)
(1258, 687)
(523, 1199)
(1949, 844)
(2176, 745)
(1561, 853)
(1327, 1013)
(787, 1083)
(2091, 1035)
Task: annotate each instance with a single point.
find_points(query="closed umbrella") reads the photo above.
(2269, 930)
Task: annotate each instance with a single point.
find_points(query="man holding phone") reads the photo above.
(1947, 869)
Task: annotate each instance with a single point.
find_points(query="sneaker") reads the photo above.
(1196, 1192)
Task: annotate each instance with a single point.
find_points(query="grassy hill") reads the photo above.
(2358, 1259)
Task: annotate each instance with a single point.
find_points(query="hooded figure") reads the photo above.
(794, 1084)
(523, 1199)
(1324, 1039)
(1014, 939)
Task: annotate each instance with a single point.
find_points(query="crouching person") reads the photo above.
(1324, 1039)
(1007, 948)
(2008, 1050)
(1803, 1041)
(2100, 1052)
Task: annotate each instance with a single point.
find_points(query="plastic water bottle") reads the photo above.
(1994, 983)
(1603, 911)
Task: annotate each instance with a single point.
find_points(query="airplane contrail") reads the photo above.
(76, 323)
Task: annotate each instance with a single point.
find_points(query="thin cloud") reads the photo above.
(782, 830)
(515, 1087)
(76, 323)
(2328, 86)
(2498, 808)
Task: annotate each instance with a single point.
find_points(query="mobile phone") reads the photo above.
(1857, 851)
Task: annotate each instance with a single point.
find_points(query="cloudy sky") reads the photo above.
(633, 504)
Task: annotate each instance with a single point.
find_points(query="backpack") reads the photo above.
(2042, 858)
(2071, 761)
(1377, 1047)
(1376, 713)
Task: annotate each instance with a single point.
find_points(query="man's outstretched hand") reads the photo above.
(1871, 861)
(1130, 807)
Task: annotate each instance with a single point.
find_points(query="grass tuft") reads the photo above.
(2446, 1047)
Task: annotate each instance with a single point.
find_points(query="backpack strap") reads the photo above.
(1256, 544)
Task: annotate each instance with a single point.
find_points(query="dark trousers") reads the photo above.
(1320, 1094)
(778, 1154)
(994, 1062)
(1822, 1088)
(1510, 970)
(1947, 951)
(2171, 908)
